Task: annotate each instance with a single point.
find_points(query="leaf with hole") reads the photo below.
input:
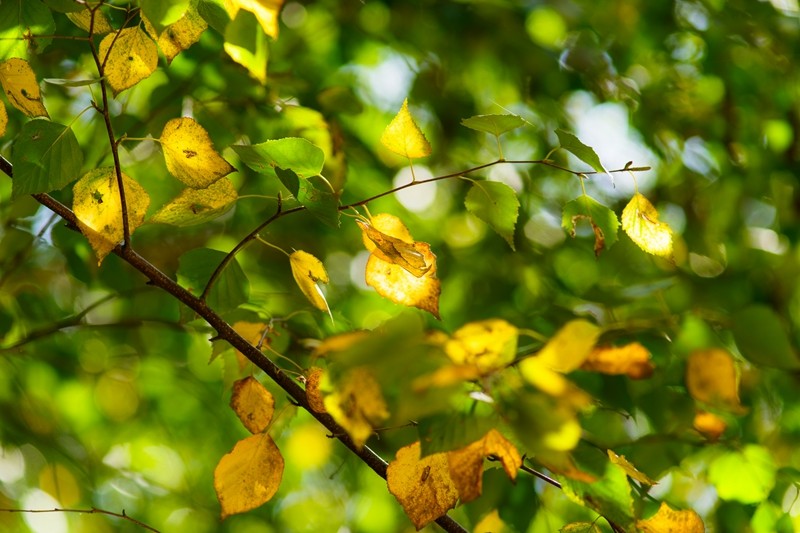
(603, 221)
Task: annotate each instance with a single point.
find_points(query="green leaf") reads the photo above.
(291, 153)
(231, 288)
(585, 153)
(161, 14)
(745, 475)
(315, 193)
(246, 43)
(46, 157)
(214, 13)
(762, 339)
(65, 6)
(22, 17)
(445, 432)
(494, 124)
(496, 204)
(604, 221)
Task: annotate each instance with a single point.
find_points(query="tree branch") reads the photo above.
(93, 510)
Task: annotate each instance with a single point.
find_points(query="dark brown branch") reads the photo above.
(93, 510)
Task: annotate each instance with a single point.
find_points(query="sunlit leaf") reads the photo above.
(265, 11)
(190, 155)
(22, 90)
(400, 286)
(253, 332)
(403, 137)
(493, 124)
(357, 404)
(761, 337)
(316, 400)
(466, 464)
(709, 424)
(422, 486)
(246, 43)
(632, 360)
(488, 345)
(568, 348)
(308, 272)
(249, 475)
(711, 378)
(745, 475)
(161, 14)
(399, 250)
(129, 57)
(83, 20)
(182, 33)
(640, 222)
(629, 469)
(253, 404)
(46, 156)
(196, 206)
(96, 203)
(19, 19)
(585, 153)
(668, 520)
(491, 523)
(496, 204)
(603, 221)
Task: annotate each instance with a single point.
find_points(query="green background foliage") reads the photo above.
(110, 378)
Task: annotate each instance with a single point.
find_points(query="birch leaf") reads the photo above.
(583, 152)
(488, 345)
(399, 251)
(19, 84)
(97, 206)
(83, 20)
(603, 221)
(640, 222)
(496, 204)
(403, 137)
(129, 56)
(182, 33)
(253, 404)
(668, 520)
(400, 286)
(265, 11)
(629, 469)
(493, 124)
(190, 155)
(195, 206)
(466, 464)
(308, 272)
(358, 405)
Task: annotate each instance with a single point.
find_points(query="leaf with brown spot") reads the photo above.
(182, 33)
(466, 464)
(253, 404)
(631, 359)
(129, 57)
(190, 155)
(21, 88)
(398, 251)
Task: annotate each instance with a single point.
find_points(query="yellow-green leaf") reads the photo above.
(403, 137)
(668, 520)
(19, 84)
(129, 57)
(249, 475)
(629, 469)
(640, 222)
(422, 486)
(195, 206)
(182, 33)
(308, 272)
(253, 404)
(357, 404)
(83, 20)
(190, 155)
(97, 206)
(266, 12)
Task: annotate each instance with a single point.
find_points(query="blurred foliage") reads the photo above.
(107, 393)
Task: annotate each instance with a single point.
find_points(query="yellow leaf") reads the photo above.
(249, 475)
(399, 251)
(266, 12)
(422, 486)
(308, 271)
(403, 137)
(632, 360)
(400, 286)
(253, 404)
(19, 84)
(337, 343)
(466, 464)
(97, 206)
(3, 119)
(358, 405)
(83, 20)
(313, 393)
(491, 523)
(253, 332)
(629, 469)
(711, 378)
(709, 424)
(445, 377)
(58, 481)
(182, 33)
(195, 206)
(489, 345)
(569, 347)
(537, 373)
(129, 57)
(667, 520)
(640, 222)
(190, 155)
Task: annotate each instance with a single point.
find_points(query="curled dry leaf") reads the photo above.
(668, 520)
(403, 137)
(253, 404)
(129, 57)
(399, 251)
(357, 404)
(22, 90)
(190, 155)
(632, 360)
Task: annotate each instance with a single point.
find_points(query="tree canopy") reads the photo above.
(485, 265)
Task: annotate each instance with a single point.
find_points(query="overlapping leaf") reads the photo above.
(190, 154)
(466, 464)
(488, 345)
(196, 206)
(265, 11)
(22, 90)
(182, 33)
(253, 404)
(129, 57)
(308, 272)
(403, 137)
(640, 222)
(357, 404)
(19, 19)
(83, 20)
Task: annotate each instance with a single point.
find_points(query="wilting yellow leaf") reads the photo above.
(249, 475)
(667, 520)
(711, 378)
(182, 33)
(129, 57)
(466, 464)
(491, 523)
(403, 137)
(489, 345)
(253, 404)
(422, 486)
(357, 404)
(400, 286)
(308, 271)
(266, 12)
(313, 393)
(97, 206)
(632, 360)
(19, 84)
(3, 119)
(190, 155)
(629, 469)
(709, 424)
(83, 20)
(195, 206)
(640, 222)
(397, 250)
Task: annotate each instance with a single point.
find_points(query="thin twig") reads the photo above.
(93, 510)
(543, 477)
